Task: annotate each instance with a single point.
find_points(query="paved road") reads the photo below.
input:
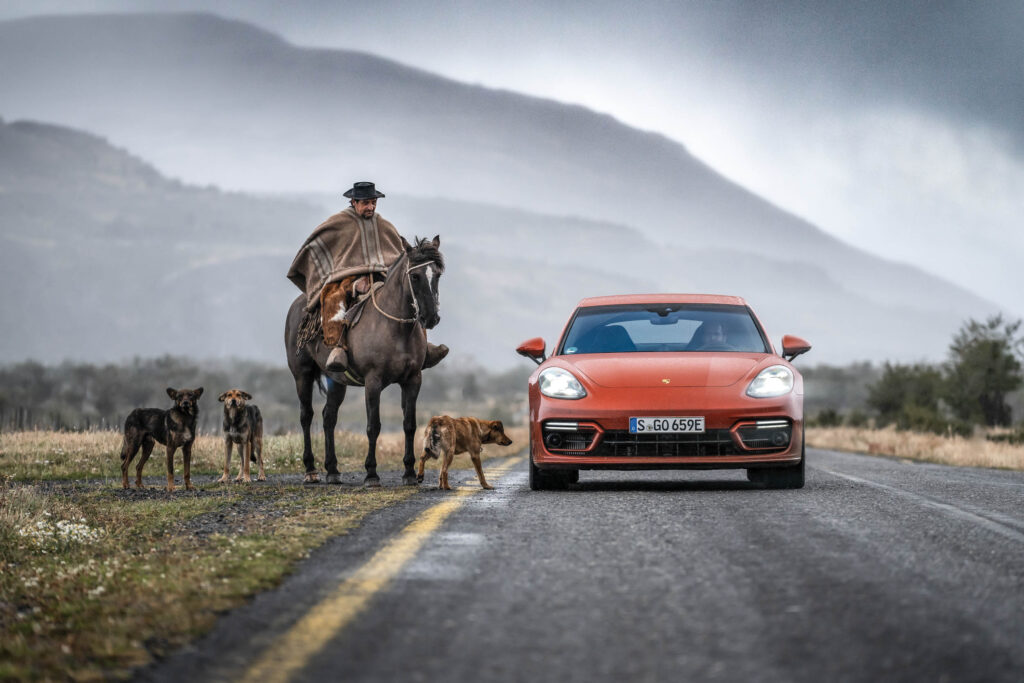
(876, 570)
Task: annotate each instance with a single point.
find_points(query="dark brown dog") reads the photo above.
(445, 437)
(243, 425)
(146, 427)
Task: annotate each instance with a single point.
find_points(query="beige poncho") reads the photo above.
(343, 245)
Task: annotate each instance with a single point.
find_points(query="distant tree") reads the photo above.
(983, 368)
(856, 418)
(907, 396)
(471, 388)
(828, 418)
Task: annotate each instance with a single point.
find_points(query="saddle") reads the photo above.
(341, 304)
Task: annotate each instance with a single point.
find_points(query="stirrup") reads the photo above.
(337, 360)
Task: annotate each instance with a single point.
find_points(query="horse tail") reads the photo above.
(318, 377)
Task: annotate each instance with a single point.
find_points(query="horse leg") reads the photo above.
(372, 390)
(304, 388)
(335, 395)
(410, 390)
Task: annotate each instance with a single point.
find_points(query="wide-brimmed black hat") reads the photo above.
(363, 191)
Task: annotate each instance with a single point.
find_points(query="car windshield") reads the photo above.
(664, 327)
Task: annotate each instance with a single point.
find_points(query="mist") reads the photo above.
(780, 133)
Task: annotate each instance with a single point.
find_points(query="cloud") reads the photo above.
(897, 126)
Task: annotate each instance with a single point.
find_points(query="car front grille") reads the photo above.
(757, 437)
(620, 443)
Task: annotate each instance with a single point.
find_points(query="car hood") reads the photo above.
(666, 369)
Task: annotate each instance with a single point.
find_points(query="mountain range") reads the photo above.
(538, 203)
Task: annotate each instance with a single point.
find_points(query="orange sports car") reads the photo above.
(666, 381)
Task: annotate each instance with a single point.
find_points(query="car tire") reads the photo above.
(546, 481)
(538, 481)
(791, 477)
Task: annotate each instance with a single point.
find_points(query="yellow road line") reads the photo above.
(293, 649)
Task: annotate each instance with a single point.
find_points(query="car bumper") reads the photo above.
(602, 439)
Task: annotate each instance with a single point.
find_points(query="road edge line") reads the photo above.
(311, 633)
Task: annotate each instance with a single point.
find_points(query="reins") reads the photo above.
(412, 295)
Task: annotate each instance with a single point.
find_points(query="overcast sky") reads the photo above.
(897, 126)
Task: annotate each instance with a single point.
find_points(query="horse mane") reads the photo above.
(424, 250)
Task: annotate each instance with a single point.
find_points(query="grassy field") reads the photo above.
(945, 450)
(95, 580)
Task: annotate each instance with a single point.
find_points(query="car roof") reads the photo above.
(661, 299)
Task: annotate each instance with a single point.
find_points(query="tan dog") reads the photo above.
(243, 425)
(445, 437)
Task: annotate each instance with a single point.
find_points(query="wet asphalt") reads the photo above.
(877, 570)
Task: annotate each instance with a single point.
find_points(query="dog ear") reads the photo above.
(496, 424)
(172, 393)
(246, 395)
(222, 397)
(405, 244)
(199, 392)
(436, 241)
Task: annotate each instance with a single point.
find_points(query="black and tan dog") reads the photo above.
(445, 437)
(174, 428)
(243, 425)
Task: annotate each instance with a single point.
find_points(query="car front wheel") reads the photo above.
(544, 481)
(791, 477)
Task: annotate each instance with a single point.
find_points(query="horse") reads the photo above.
(388, 345)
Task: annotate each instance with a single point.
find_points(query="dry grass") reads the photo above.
(46, 455)
(95, 581)
(973, 451)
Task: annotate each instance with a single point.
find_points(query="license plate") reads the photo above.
(666, 425)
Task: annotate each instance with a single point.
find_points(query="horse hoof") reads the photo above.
(410, 480)
(371, 483)
(333, 477)
(419, 480)
(311, 478)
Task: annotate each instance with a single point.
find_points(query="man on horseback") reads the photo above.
(338, 263)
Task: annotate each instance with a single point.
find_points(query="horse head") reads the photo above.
(424, 267)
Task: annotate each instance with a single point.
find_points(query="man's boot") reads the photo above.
(337, 360)
(435, 354)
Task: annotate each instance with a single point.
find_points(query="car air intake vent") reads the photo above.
(765, 435)
(620, 443)
(569, 438)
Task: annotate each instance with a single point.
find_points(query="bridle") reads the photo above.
(412, 296)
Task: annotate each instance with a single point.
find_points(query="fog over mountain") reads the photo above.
(104, 258)
(539, 203)
(896, 127)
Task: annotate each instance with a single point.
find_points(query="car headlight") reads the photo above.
(776, 380)
(559, 383)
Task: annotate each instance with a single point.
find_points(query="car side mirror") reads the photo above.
(794, 346)
(533, 349)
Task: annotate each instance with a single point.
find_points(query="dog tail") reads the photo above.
(130, 434)
(432, 440)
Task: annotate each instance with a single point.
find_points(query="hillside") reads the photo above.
(210, 100)
(102, 258)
